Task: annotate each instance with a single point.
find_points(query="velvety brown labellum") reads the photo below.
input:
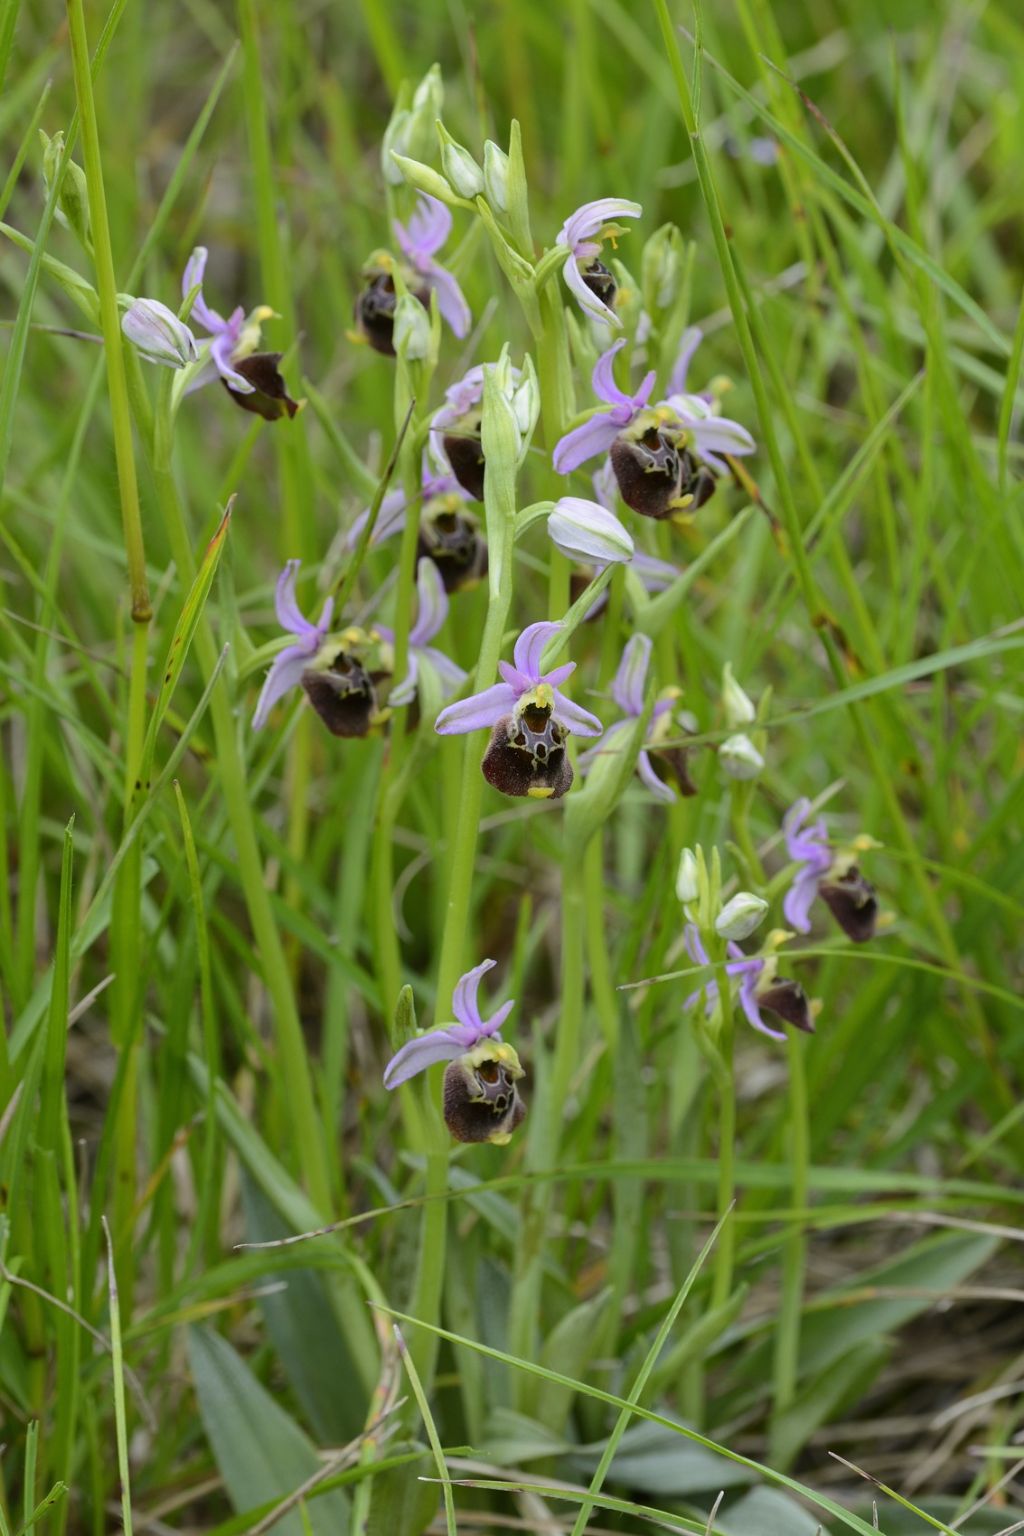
(649, 472)
(270, 398)
(526, 756)
(466, 455)
(452, 540)
(788, 1001)
(374, 311)
(343, 695)
(851, 900)
(599, 280)
(481, 1103)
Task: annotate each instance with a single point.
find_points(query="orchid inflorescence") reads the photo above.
(658, 453)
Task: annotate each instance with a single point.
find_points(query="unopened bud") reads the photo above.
(73, 203)
(740, 916)
(423, 177)
(740, 758)
(585, 531)
(496, 176)
(739, 709)
(158, 335)
(661, 267)
(412, 337)
(688, 878)
(462, 171)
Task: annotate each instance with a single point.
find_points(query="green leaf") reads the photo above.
(261, 1452)
(769, 1512)
(305, 1334)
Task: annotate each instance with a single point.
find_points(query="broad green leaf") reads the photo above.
(261, 1452)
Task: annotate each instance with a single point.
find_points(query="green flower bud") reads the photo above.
(661, 267)
(496, 176)
(424, 178)
(688, 877)
(412, 331)
(73, 203)
(458, 165)
(740, 916)
(740, 758)
(739, 709)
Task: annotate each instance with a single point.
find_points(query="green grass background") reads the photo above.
(880, 260)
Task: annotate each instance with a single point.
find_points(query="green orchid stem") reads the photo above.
(426, 1304)
(126, 937)
(546, 1137)
(787, 1332)
(291, 1047)
(389, 957)
(725, 1250)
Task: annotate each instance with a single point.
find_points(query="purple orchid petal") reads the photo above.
(645, 769)
(606, 489)
(478, 711)
(796, 907)
(656, 575)
(285, 673)
(628, 683)
(450, 299)
(419, 1054)
(749, 1004)
(195, 267)
(427, 230)
(691, 340)
(529, 648)
(221, 348)
(694, 945)
(514, 678)
(432, 609)
(390, 520)
(603, 376)
(585, 299)
(492, 1025)
(585, 442)
(405, 691)
(574, 717)
(558, 675)
(289, 614)
(592, 217)
(714, 434)
(464, 998)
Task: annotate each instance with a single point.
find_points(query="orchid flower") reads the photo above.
(808, 845)
(759, 990)
(425, 233)
(585, 274)
(628, 688)
(598, 433)
(523, 683)
(234, 337)
(708, 433)
(251, 377)
(529, 719)
(834, 877)
(455, 1039)
(430, 617)
(289, 665)
(391, 514)
(481, 1097)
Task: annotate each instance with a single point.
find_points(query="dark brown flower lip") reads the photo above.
(270, 398)
(853, 903)
(526, 757)
(481, 1101)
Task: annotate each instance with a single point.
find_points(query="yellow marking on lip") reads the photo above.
(540, 791)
